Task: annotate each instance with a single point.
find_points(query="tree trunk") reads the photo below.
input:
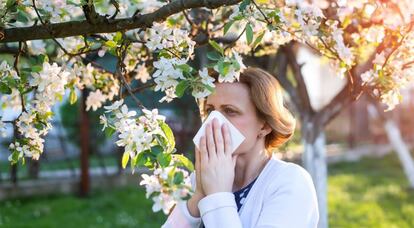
(394, 136)
(314, 161)
(33, 169)
(84, 142)
(397, 142)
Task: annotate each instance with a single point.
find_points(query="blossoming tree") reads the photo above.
(370, 43)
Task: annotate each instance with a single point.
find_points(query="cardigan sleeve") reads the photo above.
(292, 202)
(180, 217)
(219, 210)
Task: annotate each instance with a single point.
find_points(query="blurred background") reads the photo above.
(367, 184)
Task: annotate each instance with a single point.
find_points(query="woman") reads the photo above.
(249, 187)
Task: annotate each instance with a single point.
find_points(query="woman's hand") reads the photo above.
(217, 163)
(199, 187)
(192, 203)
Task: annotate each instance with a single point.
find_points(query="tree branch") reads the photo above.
(76, 28)
(281, 75)
(296, 68)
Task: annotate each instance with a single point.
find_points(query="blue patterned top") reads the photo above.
(240, 197)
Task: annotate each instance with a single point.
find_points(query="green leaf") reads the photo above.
(258, 39)
(243, 5)
(162, 141)
(125, 159)
(178, 178)
(213, 55)
(184, 161)
(109, 131)
(118, 37)
(42, 58)
(11, 82)
(10, 3)
(72, 96)
(164, 159)
(171, 173)
(249, 33)
(184, 67)
(227, 26)
(14, 157)
(111, 44)
(223, 67)
(142, 158)
(22, 16)
(181, 87)
(4, 88)
(211, 89)
(168, 134)
(156, 150)
(216, 46)
(164, 53)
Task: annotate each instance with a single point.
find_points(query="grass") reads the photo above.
(370, 193)
(125, 207)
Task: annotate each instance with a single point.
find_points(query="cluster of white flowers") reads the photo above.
(136, 135)
(374, 34)
(12, 100)
(201, 90)
(103, 85)
(166, 76)
(343, 51)
(142, 73)
(161, 36)
(50, 83)
(6, 70)
(26, 127)
(55, 10)
(388, 78)
(161, 192)
(309, 17)
(167, 73)
(164, 186)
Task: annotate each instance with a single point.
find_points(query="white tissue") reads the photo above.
(236, 137)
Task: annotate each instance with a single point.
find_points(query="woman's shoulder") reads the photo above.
(283, 174)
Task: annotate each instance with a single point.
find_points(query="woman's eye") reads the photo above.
(229, 111)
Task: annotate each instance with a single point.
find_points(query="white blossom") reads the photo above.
(94, 100)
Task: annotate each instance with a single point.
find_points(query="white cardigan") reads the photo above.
(283, 196)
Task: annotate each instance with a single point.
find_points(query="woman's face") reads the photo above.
(234, 102)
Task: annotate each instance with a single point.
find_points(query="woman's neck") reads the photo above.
(248, 167)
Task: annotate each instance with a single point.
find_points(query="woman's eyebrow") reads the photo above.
(223, 105)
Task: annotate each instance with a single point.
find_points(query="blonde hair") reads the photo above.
(268, 100)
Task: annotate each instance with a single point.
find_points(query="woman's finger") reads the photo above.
(218, 137)
(227, 139)
(197, 160)
(211, 147)
(198, 170)
(203, 151)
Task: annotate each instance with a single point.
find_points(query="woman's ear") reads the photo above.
(265, 130)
